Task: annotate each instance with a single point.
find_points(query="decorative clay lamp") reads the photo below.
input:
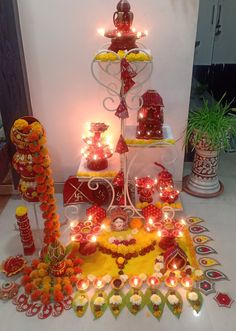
(123, 37)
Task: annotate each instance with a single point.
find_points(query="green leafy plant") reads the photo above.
(211, 124)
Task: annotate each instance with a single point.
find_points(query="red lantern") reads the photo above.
(165, 178)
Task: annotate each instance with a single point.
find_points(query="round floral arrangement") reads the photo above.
(115, 299)
(99, 301)
(81, 301)
(155, 299)
(136, 300)
(39, 285)
(192, 296)
(173, 299)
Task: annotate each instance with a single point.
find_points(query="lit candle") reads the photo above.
(171, 281)
(159, 233)
(152, 281)
(135, 282)
(187, 282)
(73, 224)
(98, 283)
(82, 284)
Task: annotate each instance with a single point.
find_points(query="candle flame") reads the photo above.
(118, 34)
(94, 239)
(159, 233)
(146, 32)
(174, 266)
(133, 29)
(139, 34)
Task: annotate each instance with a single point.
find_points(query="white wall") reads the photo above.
(60, 38)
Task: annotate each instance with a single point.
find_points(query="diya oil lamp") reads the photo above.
(135, 282)
(153, 282)
(145, 186)
(169, 194)
(98, 284)
(123, 37)
(83, 284)
(171, 281)
(175, 259)
(56, 254)
(187, 282)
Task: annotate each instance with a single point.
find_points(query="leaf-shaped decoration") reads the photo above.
(201, 239)
(134, 308)
(196, 304)
(208, 262)
(80, 297)
(156, 310)
(177, 308)
(97, 310)
(193, 220)
(116, 308)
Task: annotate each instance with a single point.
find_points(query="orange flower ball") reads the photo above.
(136, 223)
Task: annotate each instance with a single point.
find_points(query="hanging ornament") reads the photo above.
(119, 179)
(121, 146)
(122, 110)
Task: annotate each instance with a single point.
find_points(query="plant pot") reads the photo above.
(203, 181)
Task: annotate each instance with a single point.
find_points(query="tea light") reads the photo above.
(152, 281)
(171, 281)
(98, 283)
(187, 282)
(135, 282)
(73, 224)
(82, 284)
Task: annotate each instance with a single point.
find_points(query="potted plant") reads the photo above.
(208, 131)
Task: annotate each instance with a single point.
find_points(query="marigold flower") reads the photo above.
(45, 298)
(35, 295)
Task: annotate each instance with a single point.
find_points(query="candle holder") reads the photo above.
(83, 284)
(187, 282)
(153, 282)
(135, 282)
(98, 284)
(164, 178)
(123, 37)
(145, 186)
(171, 281)
(169, 194)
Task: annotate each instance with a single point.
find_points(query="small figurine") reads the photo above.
(119, 220)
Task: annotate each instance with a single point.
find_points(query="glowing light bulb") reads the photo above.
(101, 31)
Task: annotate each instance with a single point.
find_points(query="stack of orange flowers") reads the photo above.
(45, 182)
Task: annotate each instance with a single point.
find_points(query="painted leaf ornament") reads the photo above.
(98, 304)
(193, 220)
(116, 302)
(58, 309)
(201, 239)
(80, 303)
(121, 146)
(206, 287)
(34, 309)
(215, 275)
(208, 262)
(135, 301)
(45, 312)
(155, 301)
(204, 250)
(174, 302)
(195, 299)
(223, 300)
(195, 229)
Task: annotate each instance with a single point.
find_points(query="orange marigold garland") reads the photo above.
(28, 133)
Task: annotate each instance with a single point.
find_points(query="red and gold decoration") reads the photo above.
(97, 152)
(8, 290)
(121, 146)
(13, 265)
(123, 37)
(25, 230)
(150, 116)
(145, 188)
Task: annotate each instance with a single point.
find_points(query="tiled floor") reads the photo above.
(220, 216)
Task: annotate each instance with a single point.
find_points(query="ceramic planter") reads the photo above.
(203, 181)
